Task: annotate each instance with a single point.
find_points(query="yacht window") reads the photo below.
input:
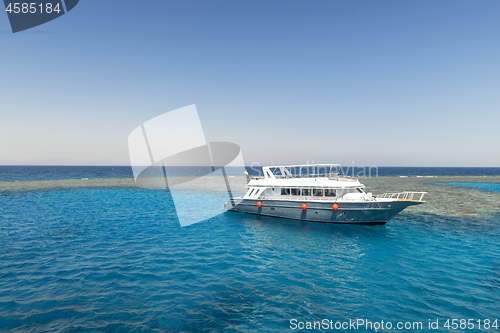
(250, 193)
(318, 192)
(295, 191)
(330, 192)
(306, 191)
(285, 191)
(359, 190)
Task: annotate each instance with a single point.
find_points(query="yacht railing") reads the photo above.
(296, 198)
(311, 175)
(404, 196)
(347, 179)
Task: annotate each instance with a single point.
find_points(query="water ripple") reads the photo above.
(116, 260)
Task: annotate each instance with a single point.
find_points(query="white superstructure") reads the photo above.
(324, 184)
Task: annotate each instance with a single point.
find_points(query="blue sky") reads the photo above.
(388, 83)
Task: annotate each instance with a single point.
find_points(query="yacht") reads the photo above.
(317, 193)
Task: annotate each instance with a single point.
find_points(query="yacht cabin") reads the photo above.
(319, 182)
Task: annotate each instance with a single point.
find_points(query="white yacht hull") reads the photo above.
(365, 212)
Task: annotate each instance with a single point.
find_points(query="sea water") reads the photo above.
(113, 258)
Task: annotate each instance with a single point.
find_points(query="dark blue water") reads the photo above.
(373, 171)
(11, 173)
(28, 172)
(434, 171)
(116, 260)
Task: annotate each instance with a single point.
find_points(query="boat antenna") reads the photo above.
(272, 163)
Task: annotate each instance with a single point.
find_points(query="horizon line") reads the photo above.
(347, 165)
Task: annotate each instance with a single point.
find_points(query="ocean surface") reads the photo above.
(85, 250)
(25, 172)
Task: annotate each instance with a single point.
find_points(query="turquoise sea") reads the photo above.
(84, 250)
